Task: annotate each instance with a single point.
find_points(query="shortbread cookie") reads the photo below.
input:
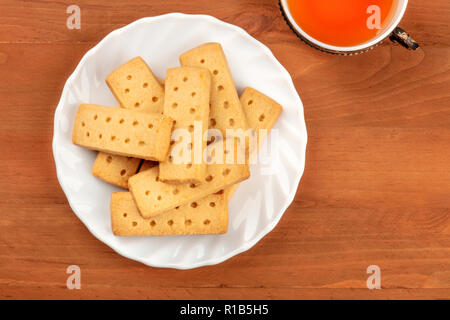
(115, 169)
(153, 196)
(122, 132)
(262, 113)
(187, 102)
(208, 215)
(135, 87)
(226, 110)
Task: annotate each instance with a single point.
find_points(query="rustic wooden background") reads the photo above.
(375, 190)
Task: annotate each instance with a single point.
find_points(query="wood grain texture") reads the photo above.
(375, 190)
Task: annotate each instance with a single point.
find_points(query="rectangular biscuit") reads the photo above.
(209, 215)
(187, 103)
(122, 132)
(115, 169)
(153, 196)
(226, 110)
(135, 87)
(262, 113)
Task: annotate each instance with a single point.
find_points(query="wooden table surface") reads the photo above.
(375, 190)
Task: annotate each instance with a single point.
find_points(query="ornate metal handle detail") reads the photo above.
(402, 37)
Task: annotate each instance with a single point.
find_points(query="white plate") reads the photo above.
(258, 204)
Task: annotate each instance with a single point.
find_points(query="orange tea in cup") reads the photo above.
(342, 22)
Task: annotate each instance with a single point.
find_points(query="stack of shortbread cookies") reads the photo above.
(169, 143)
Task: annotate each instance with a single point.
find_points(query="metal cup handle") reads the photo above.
(403, 38)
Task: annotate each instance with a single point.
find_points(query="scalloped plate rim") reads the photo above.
(246, 245)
